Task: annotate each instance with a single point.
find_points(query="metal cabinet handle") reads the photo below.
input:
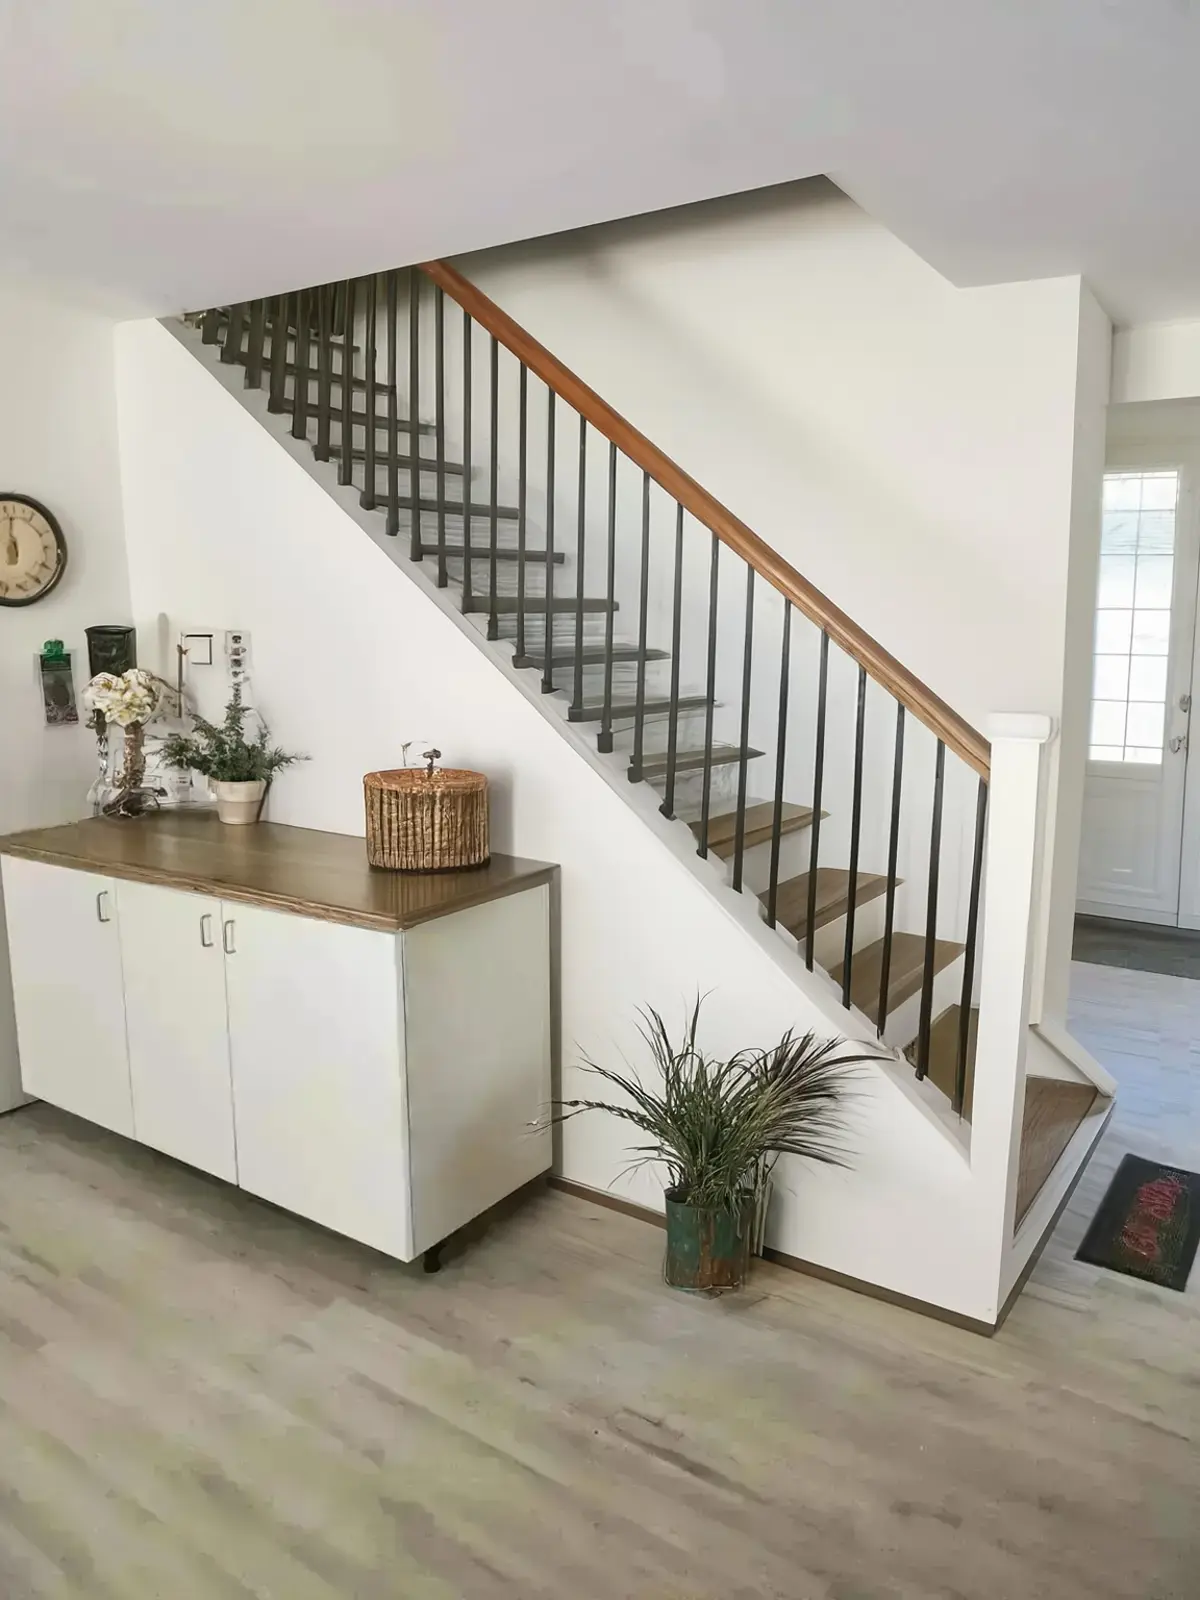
(1177, 743)
(206, 934)
(102, 907)
(227, 938)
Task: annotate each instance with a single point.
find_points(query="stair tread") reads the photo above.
(834, 893)
(1054, 1108)
(694, 760)
(759, 826)
(453, 508)
(405, 463)
(506, 605)
(906, 970)
(359, 419)
(481, 552)
(594, 657)
(622, 710)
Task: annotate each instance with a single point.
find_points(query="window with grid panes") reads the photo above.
(1133, 616)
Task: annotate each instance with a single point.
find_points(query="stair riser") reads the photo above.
(829, 943)
(689, 789)
(904, 1023)
(425, 437)
(794, 852)
(290, 358)
(656, 733)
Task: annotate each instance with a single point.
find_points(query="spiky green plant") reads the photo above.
(222, 752)
(719, 1126)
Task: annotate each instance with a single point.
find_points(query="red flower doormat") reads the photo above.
(1148, 1224)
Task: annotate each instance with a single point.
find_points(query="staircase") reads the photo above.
(816, 779)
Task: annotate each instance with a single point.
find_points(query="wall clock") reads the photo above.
(33, 552)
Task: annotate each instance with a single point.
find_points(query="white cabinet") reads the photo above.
(65, 956)
(318, 1074)
(177, 1025)
(375, 1057)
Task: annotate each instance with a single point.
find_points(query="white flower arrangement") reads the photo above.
(128, 700)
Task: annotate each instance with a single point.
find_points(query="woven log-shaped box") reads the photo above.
(419, 821)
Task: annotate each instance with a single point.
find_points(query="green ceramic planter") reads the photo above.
(707, 1249)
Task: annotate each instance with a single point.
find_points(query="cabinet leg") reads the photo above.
(433, 1258)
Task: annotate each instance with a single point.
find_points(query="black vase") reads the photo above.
(111, 649)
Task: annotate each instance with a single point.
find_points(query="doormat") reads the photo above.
(1148, 1224)
(1108, 943)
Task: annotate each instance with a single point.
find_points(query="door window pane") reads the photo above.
(1133, 617)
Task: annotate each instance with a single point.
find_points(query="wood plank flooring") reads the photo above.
(203, 1397)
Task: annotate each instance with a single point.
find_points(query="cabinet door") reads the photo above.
(318, 1087)
(65, 956)
(178, 1028)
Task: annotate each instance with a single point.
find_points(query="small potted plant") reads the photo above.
(719, 1127)
(238, 769)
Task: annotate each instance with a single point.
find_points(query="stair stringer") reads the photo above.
(910, 1107)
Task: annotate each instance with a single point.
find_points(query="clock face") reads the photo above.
(32, 551)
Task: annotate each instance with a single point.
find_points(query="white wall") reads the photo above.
(352, 657)
(58, 443)
(928, 456)
(905, 444)
(1156, 361)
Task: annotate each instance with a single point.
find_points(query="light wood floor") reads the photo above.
(202, 1397)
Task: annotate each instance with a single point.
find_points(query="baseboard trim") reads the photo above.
(779, 1258)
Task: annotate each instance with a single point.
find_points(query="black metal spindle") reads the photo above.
(346, 459)
(493, 487)
(254, 346)
(300, 395)
(668, 806)
(210, 326)
(605, 740)
(279, 342)
(710, 696)
(814, 836)
(367, 498)
(468, 328)
(639, 712)
(392, 522)
(968, 983)
(785, 654)
(889, 909)
(231, 350)
(930, 968)
(439, 378)
(548, 646)
(324, 371)
(855, 835)
(522, 497)
(580, 569)
(414, 410)
(739, 841)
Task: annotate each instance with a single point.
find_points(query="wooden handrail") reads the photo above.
(927, 707)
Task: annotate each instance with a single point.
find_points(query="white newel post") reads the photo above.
(1008, 934)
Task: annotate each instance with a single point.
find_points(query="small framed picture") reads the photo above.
(58, 687)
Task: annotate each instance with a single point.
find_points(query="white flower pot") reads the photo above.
(239, 802)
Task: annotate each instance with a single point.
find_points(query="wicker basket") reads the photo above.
(419, 821)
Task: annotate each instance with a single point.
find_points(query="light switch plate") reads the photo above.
(199, 647)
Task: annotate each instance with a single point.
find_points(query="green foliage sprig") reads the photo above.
(221, 751)
(720, 1126)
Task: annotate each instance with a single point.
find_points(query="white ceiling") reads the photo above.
(161, 154)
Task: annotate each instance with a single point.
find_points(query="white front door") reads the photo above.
(1141, 692)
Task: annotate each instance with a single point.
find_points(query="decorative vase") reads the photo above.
(707, 1249)
(239, 802)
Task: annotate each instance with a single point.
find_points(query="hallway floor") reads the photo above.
(202, 1397)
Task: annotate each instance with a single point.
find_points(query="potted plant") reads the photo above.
(719, 1127)
(238, 769)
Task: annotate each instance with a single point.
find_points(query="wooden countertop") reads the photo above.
(322, 875)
